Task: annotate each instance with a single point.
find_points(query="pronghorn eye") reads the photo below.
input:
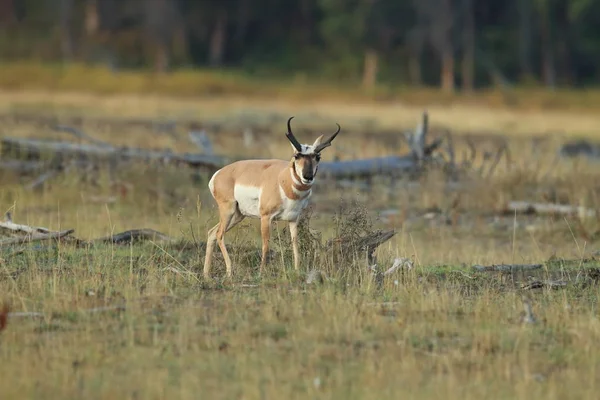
(318, 157)
(297, 156)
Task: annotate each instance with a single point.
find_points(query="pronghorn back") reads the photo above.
(260, 187)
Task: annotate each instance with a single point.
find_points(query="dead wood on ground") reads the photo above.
(507, 267)
(549, 208)
(25, 155)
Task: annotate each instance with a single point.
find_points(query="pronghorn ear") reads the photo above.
(293, 148)
(318, 141)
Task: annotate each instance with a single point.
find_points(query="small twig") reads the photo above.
(473, 149)
(463, 274)
(315, 276)
(81, 135)
(40, 180)
(202, 140)
(450, 148)
(399, 263)
(179, 272)
(97, 310)
(25, 314)
(527, 316)
(499, 154)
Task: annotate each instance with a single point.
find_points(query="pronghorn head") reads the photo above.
(306, 157)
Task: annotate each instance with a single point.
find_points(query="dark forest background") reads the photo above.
(456, 45)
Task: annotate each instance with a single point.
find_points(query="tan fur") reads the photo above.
(269, 176)
(265, 189)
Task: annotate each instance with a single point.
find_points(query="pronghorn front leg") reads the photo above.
(294, 234)
(265, 233)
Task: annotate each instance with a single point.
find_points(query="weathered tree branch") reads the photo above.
(421, 153)
(33, 149)
(549, 208)
(507, 267)
(35, 237)
(135, 235)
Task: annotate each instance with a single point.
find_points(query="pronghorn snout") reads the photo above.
(308, 176)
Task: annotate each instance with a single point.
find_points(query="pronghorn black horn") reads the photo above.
(327, 143)
(291, 136)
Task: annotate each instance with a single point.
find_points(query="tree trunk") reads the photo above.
(7, 13)
(218, 40)
(563, 45)
(161, 57)
(243, 18)
(67, 40)
(468, 61)
(447, 76)
(370, 69)
(92, 19)
(445, 20)
(548, 67)
(525, 39)
(414, 68)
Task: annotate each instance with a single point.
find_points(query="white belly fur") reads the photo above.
(248, 199)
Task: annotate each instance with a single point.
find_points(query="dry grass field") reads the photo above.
(138, 321)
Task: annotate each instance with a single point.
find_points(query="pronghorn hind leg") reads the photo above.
(294, 236)
(210, 245)
(265, 233)
(230, 216)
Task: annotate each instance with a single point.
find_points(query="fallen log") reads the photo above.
(580, 148)
(24, 233)
(21, 167)
(550, 208)
(507, 267)
(134, 235)
(35, 149)
(421, 153)
(95, 310)
(367, 244)
(10, 227)
(391, 165)
(35, 237)
(536, 284)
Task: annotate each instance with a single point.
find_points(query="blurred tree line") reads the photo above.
(455, 44)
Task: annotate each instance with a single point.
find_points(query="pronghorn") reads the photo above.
(267, 189)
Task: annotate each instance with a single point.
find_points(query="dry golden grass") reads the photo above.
(460, 117)
(208, 94)
(439, 330)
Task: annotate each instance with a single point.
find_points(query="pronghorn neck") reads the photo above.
(291, 185)
(296, 181)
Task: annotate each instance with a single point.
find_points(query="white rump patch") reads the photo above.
(248, 199)
(211, 183)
